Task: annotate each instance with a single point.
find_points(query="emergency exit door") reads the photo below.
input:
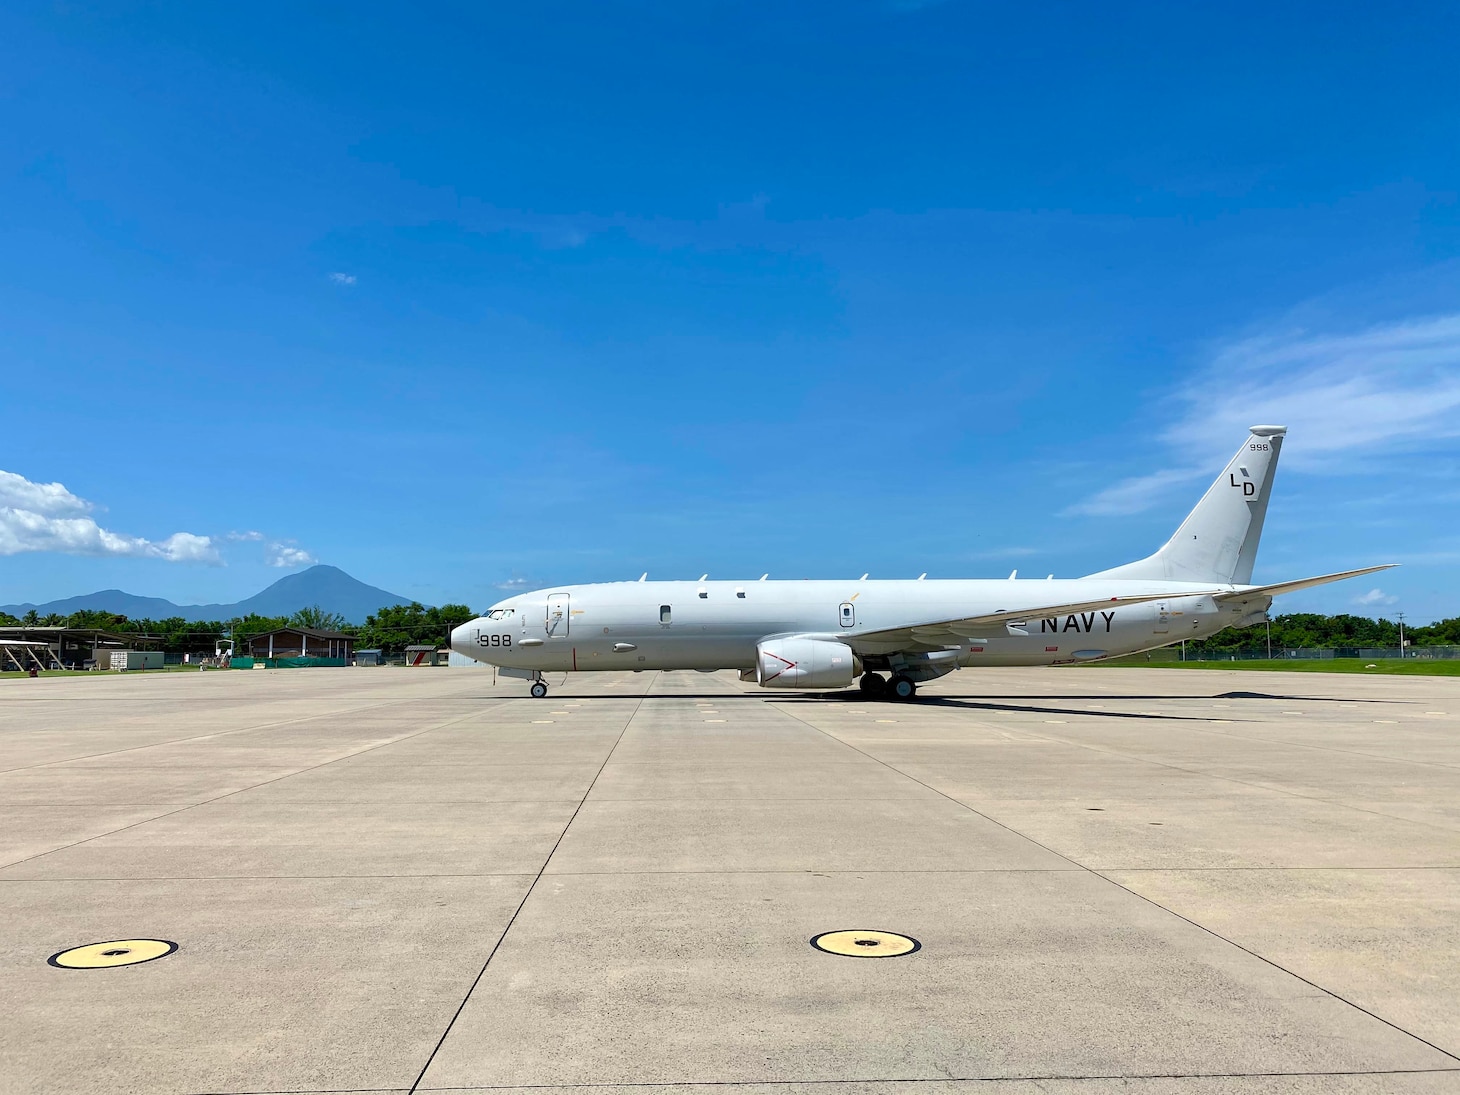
(848, 614)
(557, 616)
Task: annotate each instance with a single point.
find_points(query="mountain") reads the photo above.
(329, 587)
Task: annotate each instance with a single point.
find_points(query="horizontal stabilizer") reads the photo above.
(1301, 583)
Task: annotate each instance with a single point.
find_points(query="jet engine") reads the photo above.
(804, 663)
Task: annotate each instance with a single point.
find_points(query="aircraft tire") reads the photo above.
(902, 688)
(539, 690)
(873, 684)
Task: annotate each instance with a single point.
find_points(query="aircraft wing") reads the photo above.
(937, 634)
(1301, 583)
(940, 633)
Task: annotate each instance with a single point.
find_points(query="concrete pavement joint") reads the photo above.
(230, 794)
(1023, 1079)
(522, 904)
(217, 734)
(1214, 775)
(1150, 901)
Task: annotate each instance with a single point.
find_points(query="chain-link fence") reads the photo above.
(1261, 653)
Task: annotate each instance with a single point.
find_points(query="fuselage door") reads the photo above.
(557, 616)
(848, 614)
(1163, 617)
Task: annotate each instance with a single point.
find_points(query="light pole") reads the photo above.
(1269, 638)
(1401, 633)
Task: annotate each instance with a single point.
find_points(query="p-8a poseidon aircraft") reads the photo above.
(894, 635)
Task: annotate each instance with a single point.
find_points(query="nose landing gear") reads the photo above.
(539, 689)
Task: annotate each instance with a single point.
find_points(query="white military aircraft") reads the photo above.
(824, 634)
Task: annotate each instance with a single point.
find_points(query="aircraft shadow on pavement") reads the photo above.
(1030, 708)
(975, 702)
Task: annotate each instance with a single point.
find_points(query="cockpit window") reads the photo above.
(499, 614)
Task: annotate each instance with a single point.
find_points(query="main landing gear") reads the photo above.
(875, 686)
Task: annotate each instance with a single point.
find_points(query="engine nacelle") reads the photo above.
(804, 663)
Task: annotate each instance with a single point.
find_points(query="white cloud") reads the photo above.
(48, 517)
(1136, 494)
(1345, 397)
(50, 499)
(1396, 384)
(343, 279)
(1376, 597)
(515, 584)
(250, 536)
(288, 555)
(184, 547)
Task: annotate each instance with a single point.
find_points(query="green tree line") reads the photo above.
(394, 627)
(1313, 630)
(391, 628)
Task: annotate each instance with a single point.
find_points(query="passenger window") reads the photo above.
(663, 614)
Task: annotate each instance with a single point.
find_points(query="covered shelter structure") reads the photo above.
(302, 642)
(61, 647)
(422, 655)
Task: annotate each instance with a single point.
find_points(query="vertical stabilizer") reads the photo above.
(1218, 540)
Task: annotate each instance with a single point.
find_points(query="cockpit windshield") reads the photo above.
(499, 614)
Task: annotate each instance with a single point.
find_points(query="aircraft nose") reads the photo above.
(461, 636)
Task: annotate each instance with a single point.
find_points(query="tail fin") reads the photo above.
(1218, 540)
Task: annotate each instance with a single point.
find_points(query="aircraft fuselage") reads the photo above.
(717, 625)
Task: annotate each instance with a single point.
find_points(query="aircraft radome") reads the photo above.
(824, 634)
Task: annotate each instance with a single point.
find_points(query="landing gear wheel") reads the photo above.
(539, 690)
(903, 688)
(873, 684)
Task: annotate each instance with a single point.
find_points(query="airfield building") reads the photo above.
(59, 647)
(301, 642)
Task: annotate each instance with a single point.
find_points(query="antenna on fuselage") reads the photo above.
(863, 578)
(703, 577)
(764, 576)
(644, 577)
(923, 575)
(1013, 574)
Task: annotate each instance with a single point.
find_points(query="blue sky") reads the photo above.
(461, 296)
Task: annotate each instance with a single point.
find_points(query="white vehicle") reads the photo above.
(895, 634)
